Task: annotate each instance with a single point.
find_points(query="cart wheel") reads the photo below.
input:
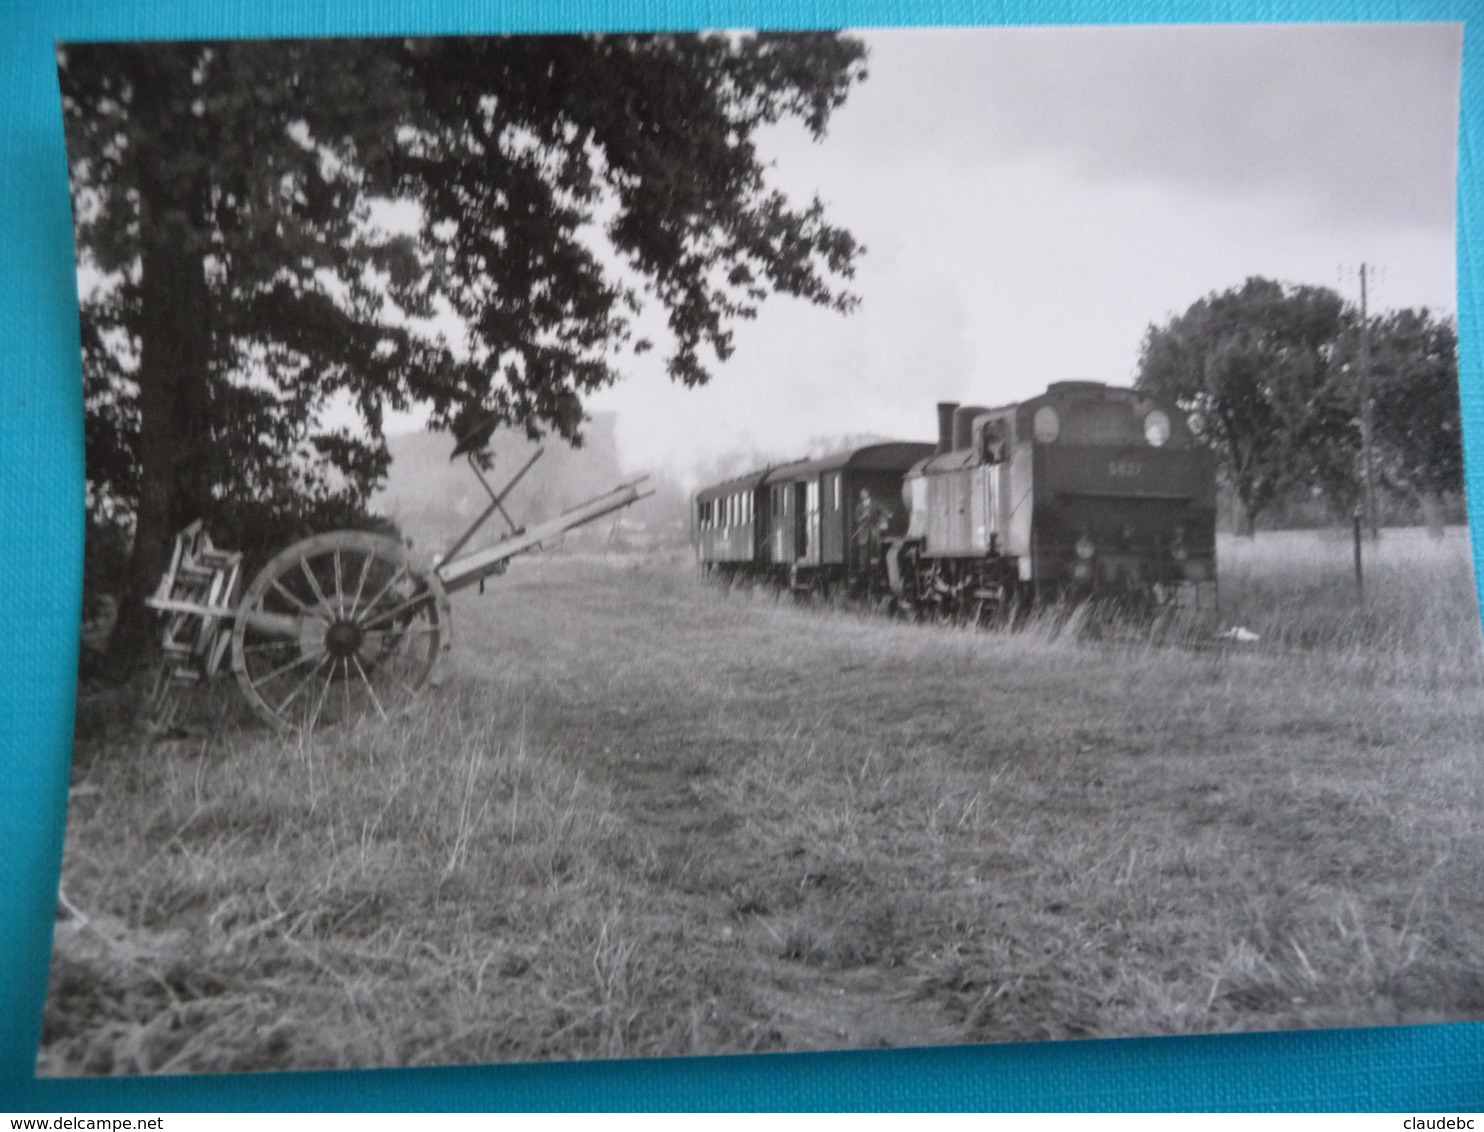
(337, 626)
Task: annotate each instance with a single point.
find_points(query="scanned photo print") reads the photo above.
(638, 545)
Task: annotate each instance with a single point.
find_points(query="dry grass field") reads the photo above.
(642, 817)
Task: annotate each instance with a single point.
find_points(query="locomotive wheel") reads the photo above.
(338, 626)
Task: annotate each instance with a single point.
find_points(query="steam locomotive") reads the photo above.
(1088, 491)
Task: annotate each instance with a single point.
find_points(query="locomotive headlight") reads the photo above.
(1156, 427)
(1082, 571)
(1046, 425)
(1085, 548)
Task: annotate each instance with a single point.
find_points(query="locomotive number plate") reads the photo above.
(1125, 469)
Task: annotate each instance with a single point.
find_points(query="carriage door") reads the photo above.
(832, 519)
(779, 495)
(761, 529)
(811, 498)
(801, 520)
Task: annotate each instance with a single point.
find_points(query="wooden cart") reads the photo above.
(337, 625)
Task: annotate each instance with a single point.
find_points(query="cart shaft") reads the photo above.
(458, 573)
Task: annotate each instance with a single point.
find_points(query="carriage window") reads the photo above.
(836, 486)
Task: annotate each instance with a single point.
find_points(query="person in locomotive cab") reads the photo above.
(871, 521)
(992, 442)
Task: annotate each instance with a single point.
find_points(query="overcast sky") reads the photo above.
(1032, 199)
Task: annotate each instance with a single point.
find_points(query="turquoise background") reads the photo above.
(1423, 1068)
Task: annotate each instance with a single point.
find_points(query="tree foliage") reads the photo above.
(1253, 366)
(270, 229)
(1271, 376)
(1418, 425)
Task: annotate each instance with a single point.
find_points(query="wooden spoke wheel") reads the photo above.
(335, 627)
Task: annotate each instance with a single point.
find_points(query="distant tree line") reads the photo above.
(1271, 375)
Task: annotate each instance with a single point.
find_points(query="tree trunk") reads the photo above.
(173, 374)
(174, 368)
(1249, 515)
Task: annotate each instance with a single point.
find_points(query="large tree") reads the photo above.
(1272, 374)
(1418, 422)
(1257, 367)
(267, 229)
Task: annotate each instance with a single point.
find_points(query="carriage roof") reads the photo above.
(889, 456)
(749, 482)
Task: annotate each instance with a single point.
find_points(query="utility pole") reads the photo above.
(1365, 413)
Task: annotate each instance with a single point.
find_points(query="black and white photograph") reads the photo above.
(646, 545)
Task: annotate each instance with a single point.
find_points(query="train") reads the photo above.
(1086, 492)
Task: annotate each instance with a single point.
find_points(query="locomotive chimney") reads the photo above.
(945, 426)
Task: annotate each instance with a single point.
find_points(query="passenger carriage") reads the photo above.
(728, 527)
(814, 510)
